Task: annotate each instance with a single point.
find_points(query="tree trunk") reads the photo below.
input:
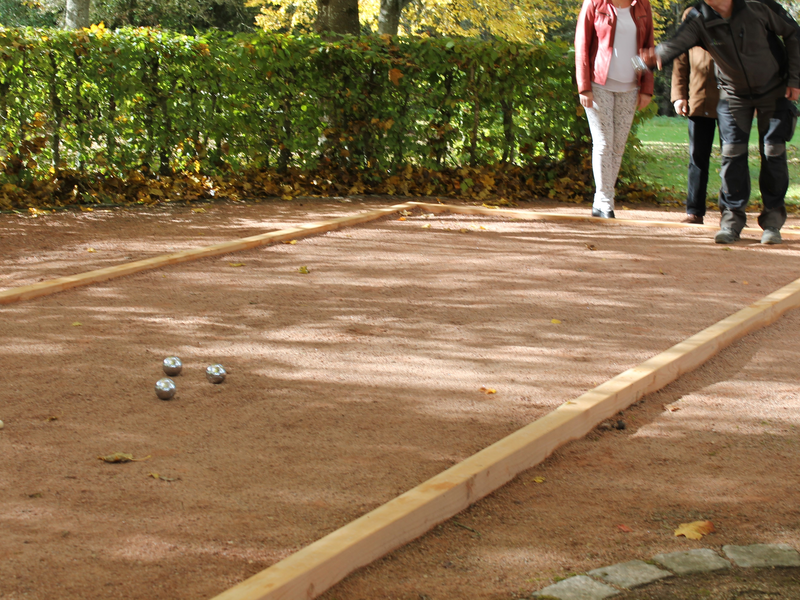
(337, 16)
(77, 15)
(389, 15)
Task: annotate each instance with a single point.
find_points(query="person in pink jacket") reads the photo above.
(610, 33)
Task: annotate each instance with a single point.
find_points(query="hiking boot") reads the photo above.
(596, 212)
(771, 236)
(726, 236)
(695, 219)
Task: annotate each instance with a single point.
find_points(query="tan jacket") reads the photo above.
(693, 79)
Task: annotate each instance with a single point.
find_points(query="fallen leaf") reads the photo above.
(538, 480)
(161, 477)
(76, 324)
(120, 457)
(91, 250)
(290, 242)
(486, 390)
(727, 249)
(695, 530)
(405, 213)
(198, 210)
(672, 407)
(426, 226)
(661, 271)
(303, 270)
(401, 219)
(463, 230)
(236, 264)
(625, 208)
(555, 321)
(624, 528)
(591, 246)
(745, 283)
(53, 418)
(87, 209)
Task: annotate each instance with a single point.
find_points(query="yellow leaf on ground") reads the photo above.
(625, 208)
(695, 530)
(486, 390)
(198, 210)
(426, 226)
(538, 480)
(120, 457)
(91, 250)
(555, 321)
(624, 528)
(591, 247)
(303, 270)
(401, 219)
(161, 477)
(290, 241)
(76, 324)
(236, 264)
(87, 209)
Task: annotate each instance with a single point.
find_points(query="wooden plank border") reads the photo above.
(60, 284)
(317, 567)
(53, 286)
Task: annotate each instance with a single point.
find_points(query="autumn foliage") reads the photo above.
(146, 116)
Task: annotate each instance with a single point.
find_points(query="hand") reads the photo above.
(793, 93)
(644, 100)
(587, 99)
(681, 107)
(650, 58)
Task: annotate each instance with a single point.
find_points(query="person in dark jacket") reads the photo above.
(695, 95)
(755, 45)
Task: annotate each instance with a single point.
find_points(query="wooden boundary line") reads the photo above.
(544, 216)
(317, 567)
(53, 286)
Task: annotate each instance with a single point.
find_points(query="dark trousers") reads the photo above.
(701, 142)
(776, 120)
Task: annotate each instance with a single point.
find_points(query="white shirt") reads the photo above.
(621, 76)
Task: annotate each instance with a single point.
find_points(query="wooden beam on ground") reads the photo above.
(317, 567)
(530, 215)
(60, 284)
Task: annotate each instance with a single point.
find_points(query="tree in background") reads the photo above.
(337, 16)
(26, 13)
(523, 21)
(76, 16)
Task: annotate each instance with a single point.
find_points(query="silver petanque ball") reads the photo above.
(165, 388)
(172, 366)
(216, 373)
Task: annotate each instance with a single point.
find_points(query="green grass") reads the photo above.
(665, 146)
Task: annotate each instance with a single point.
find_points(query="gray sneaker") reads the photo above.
(726, 236)
(771, 236)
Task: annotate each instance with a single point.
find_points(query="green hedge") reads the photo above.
(103, 102)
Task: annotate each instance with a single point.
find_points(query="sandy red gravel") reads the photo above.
(355, 382)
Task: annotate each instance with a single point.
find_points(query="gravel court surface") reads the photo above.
(347, 385)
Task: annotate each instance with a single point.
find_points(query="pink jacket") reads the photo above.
(594, 41)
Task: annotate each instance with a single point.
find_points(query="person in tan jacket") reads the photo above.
(695, 95)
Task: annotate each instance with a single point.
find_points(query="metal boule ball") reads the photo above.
(172, 366)
(1, 425)
(165, 388)
(216, 373)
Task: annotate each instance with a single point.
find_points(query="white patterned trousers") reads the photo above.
(610, 122)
